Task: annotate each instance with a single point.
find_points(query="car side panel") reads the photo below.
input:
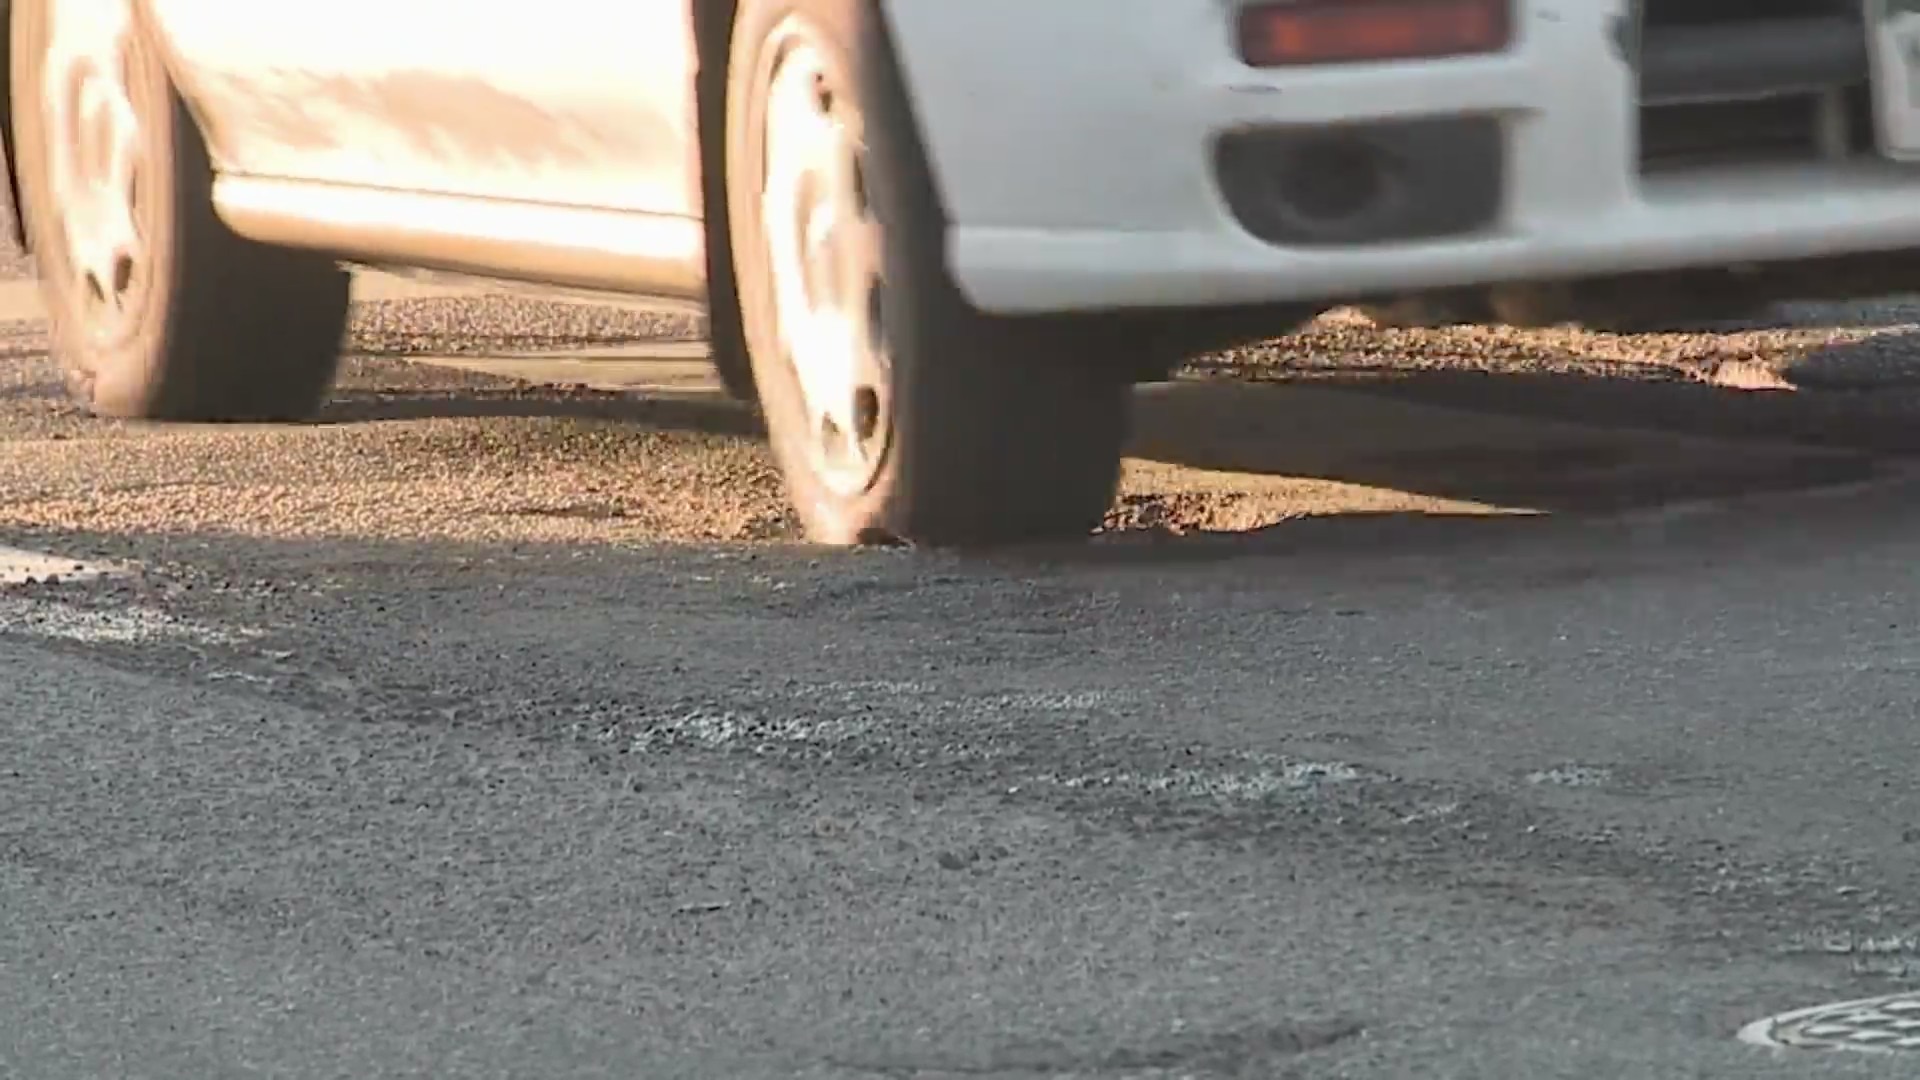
(569, 102)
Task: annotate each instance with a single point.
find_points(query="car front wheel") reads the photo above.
(896, 410)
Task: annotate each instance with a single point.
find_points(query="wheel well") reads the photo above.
(712, 35)
(713, 40)
(16, 218)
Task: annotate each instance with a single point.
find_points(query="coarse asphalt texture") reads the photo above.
(1461, 703)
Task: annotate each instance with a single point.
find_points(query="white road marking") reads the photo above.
(1876, 1025)
(834, 714)
(124, 624)
(1572, 776)
(883, 712)
(1253, 785)
(19, 566)
(129, 625)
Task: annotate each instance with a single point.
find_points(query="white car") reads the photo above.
(939, 239)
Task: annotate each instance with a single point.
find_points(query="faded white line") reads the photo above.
(838, 714)
(835, 714)
(128, 625)
(1572, 776)
(1876, 1025)
(1251, 785)
(19, 566)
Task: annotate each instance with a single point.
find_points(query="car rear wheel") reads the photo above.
(158, 310)
(896, 410)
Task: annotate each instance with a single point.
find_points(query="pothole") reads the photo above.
(1883, 1024)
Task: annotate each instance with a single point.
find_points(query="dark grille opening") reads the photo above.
(1729, 82)
(1663, 13)
(1765, 131)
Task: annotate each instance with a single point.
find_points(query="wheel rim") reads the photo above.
(823, 255)
(94, 161)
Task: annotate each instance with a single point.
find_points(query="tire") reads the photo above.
(726, 338)
(958, 429)
(186, 320)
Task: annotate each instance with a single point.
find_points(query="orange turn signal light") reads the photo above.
(1347, 31)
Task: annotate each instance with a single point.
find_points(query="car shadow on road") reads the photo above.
(708, 414)
(1887, 362)
(1557, 443)
(1230, 463)
(1356, 459)
(381, 388)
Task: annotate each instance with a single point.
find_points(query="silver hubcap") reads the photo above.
(93, 135)
(823, 251)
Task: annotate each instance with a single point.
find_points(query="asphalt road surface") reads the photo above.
(1459, 704)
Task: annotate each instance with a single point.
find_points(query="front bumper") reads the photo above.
(1073, 143)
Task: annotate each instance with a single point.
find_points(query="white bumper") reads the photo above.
(1071, 141)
